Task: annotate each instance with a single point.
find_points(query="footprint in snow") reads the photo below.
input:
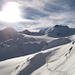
(17, 67)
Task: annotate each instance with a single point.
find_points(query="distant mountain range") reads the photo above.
(56, 31)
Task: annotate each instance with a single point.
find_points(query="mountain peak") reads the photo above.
(9, 29)
(59, 31)
(56, 26)
(8, 33)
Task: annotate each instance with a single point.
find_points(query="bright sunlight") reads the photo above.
(10, 12)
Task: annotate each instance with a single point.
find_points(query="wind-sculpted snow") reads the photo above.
(56, 42)
(57, 61)
(54, 61)
(34, 64)
(22, 69)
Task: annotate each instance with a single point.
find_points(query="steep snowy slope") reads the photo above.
(59, 31)
(19, 47)
(23, 46)
(14, 44)
(52, 63)
(55, 61)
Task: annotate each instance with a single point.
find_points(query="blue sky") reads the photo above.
(43, 13)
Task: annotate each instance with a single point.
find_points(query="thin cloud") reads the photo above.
(39, 14)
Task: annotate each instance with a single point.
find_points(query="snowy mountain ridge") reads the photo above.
(15, 44)
(47, 54)
(56, 31)
(59, 31)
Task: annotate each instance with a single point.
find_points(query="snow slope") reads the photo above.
(14, 44)
(59, 31)
(38, 55)
(55, 61)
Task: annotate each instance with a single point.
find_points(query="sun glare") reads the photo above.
(10, 12)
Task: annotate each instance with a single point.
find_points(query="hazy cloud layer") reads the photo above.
(45, 13)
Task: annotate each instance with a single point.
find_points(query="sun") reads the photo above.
(10, 12)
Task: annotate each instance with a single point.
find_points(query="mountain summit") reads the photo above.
(59, 31)
(8, 29)
(8, 33)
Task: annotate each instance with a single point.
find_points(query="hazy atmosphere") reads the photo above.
(36, 14)
(37, 37)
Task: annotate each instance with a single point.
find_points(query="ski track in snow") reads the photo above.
(21, 69)
(18, 69)
(55, 71)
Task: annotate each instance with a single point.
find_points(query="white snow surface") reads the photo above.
(59, 60)
(37, 55)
